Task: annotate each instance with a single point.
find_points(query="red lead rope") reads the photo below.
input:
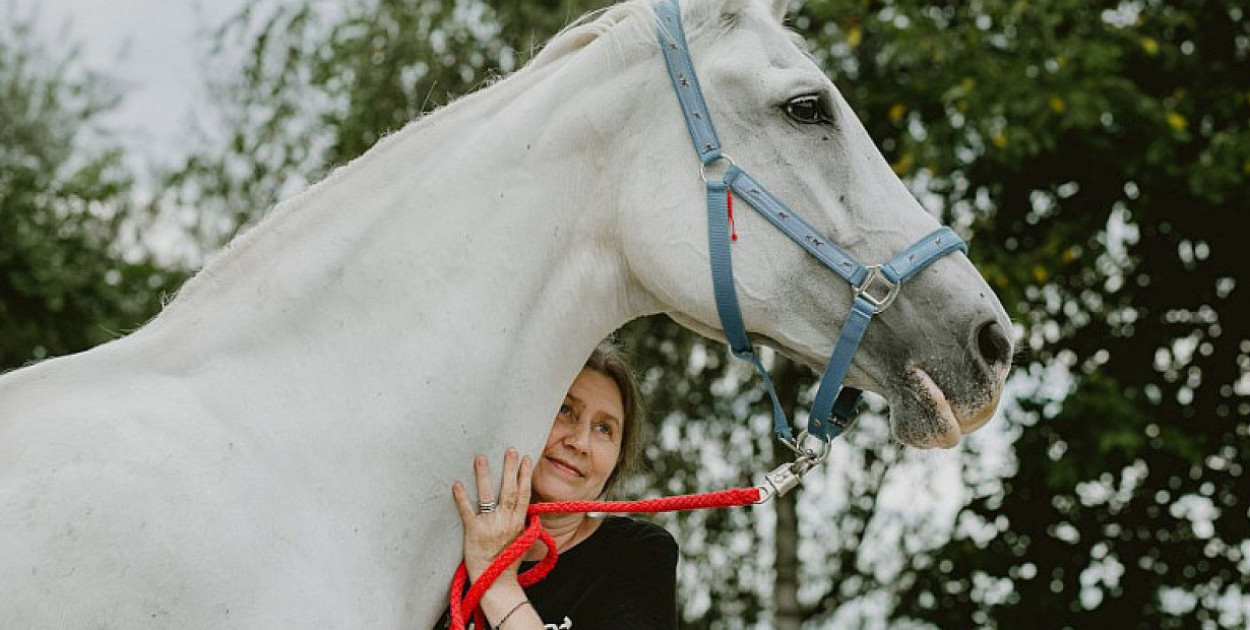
(534, 532)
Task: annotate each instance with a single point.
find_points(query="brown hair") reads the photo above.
(609, 360)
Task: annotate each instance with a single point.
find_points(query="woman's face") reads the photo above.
(585, 441)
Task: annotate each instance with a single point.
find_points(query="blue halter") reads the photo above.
(875, 286)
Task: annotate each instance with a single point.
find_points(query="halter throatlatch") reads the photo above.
(875, 286)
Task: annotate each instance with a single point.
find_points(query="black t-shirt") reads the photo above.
(623, 577)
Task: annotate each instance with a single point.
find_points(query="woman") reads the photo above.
(614, 572)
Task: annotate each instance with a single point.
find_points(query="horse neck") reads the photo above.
(467, 259)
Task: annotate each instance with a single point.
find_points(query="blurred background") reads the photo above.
(1095, 154)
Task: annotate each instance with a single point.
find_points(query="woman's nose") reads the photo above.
(578, 436)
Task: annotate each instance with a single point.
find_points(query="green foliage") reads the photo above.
(65, 282)
(317, 90)
(714, 434)
(1097, 152)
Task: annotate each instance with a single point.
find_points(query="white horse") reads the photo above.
(276, 449)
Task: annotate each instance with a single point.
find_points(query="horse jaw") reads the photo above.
(921, 414)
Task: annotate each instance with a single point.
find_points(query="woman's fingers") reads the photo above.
(462, 502)
(514, 489)
(524, 478)
(508, 488)
(481, 470)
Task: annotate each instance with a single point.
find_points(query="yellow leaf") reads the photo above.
(1176, 121)
(968, 84)
(854, 36)
(1057, 104)
(1000, 139)
(897, 112)
(1150, 45)
(904, 165)
(1040, 275)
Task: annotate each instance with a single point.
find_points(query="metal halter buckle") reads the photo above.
(865, 289)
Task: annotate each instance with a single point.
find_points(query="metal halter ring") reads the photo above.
(877, 290)
(703, 167)
(486, 508)
(809, 456)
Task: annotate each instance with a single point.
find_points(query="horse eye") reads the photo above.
(807, 110)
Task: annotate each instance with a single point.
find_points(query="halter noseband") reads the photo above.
(875, 286)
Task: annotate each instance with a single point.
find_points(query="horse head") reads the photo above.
(939, 354)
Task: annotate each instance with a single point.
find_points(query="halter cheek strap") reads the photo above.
(875, 286)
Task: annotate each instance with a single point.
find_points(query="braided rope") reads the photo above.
(462, 600)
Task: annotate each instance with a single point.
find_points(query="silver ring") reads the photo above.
(484, 508)
(703, 167)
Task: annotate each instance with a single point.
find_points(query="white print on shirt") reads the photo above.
(567, 625)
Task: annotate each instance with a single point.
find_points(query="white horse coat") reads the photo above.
(276, 449)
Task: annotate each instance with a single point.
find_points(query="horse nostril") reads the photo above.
(993, 344)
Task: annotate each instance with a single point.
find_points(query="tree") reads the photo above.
(318, 88)
(73, 275)
(1097, 152)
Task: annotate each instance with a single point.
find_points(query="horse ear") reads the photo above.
(780, 7)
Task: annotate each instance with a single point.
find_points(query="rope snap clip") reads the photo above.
(788, 476)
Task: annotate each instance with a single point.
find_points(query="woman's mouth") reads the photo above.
(565, 467)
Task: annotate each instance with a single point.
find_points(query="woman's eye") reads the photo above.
(604, 428)
(807, 110)
(565, 410)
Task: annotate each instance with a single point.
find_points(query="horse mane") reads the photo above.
(633, 22)
(637, 17)
(627, 24)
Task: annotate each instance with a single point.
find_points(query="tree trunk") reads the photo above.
(787, 612)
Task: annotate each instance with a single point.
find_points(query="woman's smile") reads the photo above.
(584, 444)
(563, 466)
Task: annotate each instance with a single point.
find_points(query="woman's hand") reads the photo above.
(488, 531)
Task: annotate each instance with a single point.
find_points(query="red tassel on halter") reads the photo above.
(729, 201)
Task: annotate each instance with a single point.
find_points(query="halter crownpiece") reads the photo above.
(875, 286)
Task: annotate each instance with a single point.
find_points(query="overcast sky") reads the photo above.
(154, 47)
